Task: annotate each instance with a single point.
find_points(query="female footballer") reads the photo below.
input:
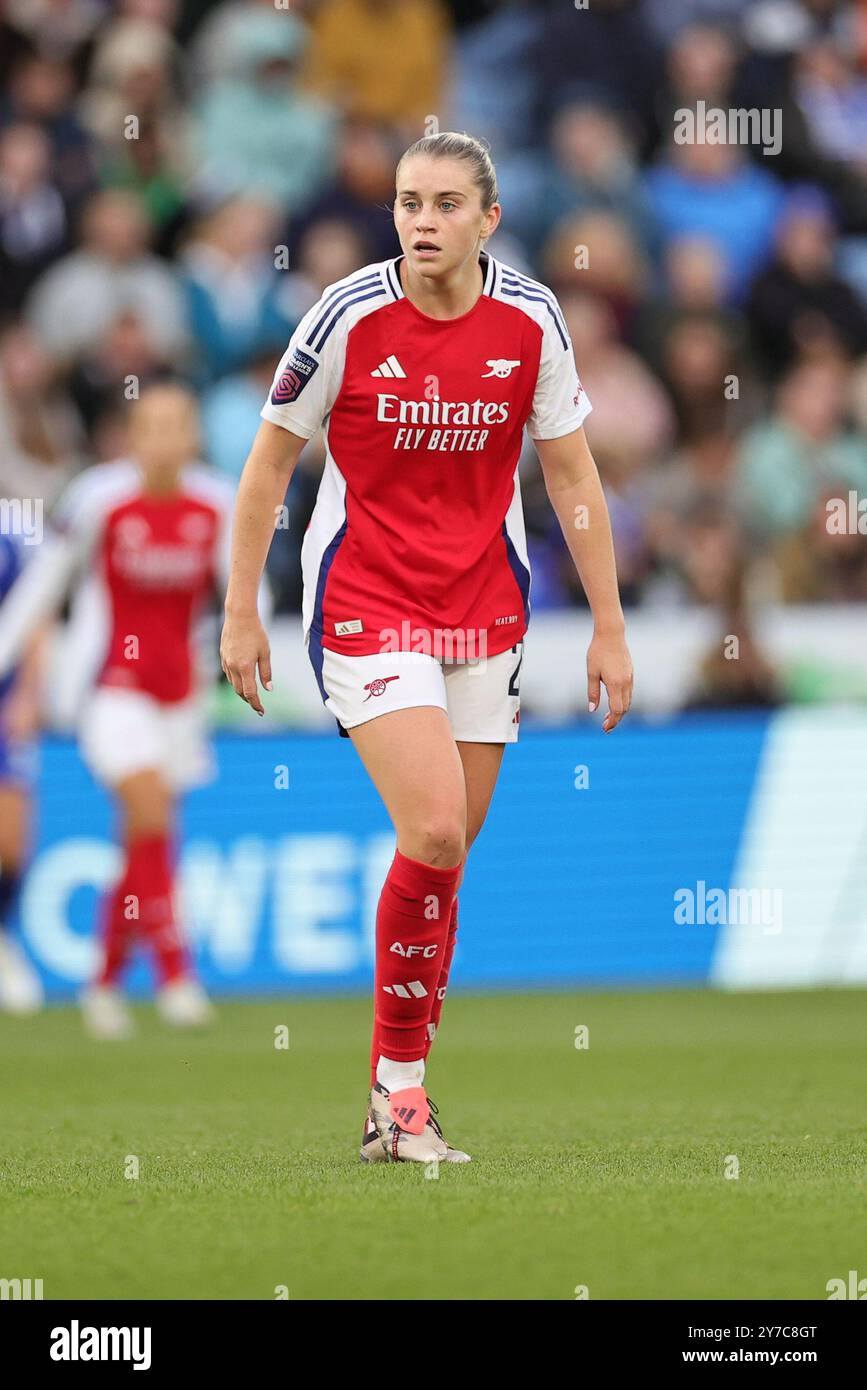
(424, 370)
(151, 532)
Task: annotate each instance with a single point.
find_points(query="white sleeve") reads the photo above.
(309, 373)
(42, 585)
(560, 402)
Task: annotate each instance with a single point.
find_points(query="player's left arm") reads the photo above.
(223, 560)
(575, 492)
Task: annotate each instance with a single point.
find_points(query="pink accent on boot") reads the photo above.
(409, 1109)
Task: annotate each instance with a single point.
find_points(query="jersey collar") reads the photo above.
(486, 261)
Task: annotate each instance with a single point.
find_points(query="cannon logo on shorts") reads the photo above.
(377, 687)
(294, 377)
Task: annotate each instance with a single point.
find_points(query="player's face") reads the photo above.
(164, 434)
(438, 215)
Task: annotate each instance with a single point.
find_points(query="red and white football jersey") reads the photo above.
(156, 560)
(418, 527)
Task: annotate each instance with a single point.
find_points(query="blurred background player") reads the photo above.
(20, 987)
(154, 529)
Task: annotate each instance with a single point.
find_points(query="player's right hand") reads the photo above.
(244, 648)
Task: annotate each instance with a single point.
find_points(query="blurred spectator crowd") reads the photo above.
(179, 181)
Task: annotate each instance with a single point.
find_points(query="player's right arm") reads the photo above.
(303, 391)
(261, 493)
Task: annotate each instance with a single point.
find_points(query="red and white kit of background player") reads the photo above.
(154, 531)
(426, 370)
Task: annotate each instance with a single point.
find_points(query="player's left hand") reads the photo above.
(608, 661)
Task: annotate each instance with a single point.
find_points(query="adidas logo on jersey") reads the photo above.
(390, 367)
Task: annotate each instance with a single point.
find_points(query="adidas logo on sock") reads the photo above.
(390, 367)
(414, 990)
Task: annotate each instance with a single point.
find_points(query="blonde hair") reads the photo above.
(451, 144)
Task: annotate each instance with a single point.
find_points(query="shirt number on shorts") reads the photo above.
(513, 682)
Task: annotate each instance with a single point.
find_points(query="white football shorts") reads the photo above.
(481, 698)
(128, 731)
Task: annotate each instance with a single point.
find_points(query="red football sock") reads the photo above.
(442, 983)
(142, 904)
(118, 931)
(412, 926)
(157, 921)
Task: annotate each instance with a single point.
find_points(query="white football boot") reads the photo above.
(184, 1004)
(452, 1155)
(105, 1014)
(20, 987)
(404, 1129)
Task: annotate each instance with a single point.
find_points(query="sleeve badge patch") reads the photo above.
(294, 378)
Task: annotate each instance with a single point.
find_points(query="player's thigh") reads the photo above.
(413, 761)
(147, 802)
(14, 824)
(481, 763)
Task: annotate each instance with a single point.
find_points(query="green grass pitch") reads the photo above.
(603, 1167)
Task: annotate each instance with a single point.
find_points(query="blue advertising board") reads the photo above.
(572, 879)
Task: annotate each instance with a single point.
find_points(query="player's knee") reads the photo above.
(440, 840)
(148, 821)
(147, 808)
